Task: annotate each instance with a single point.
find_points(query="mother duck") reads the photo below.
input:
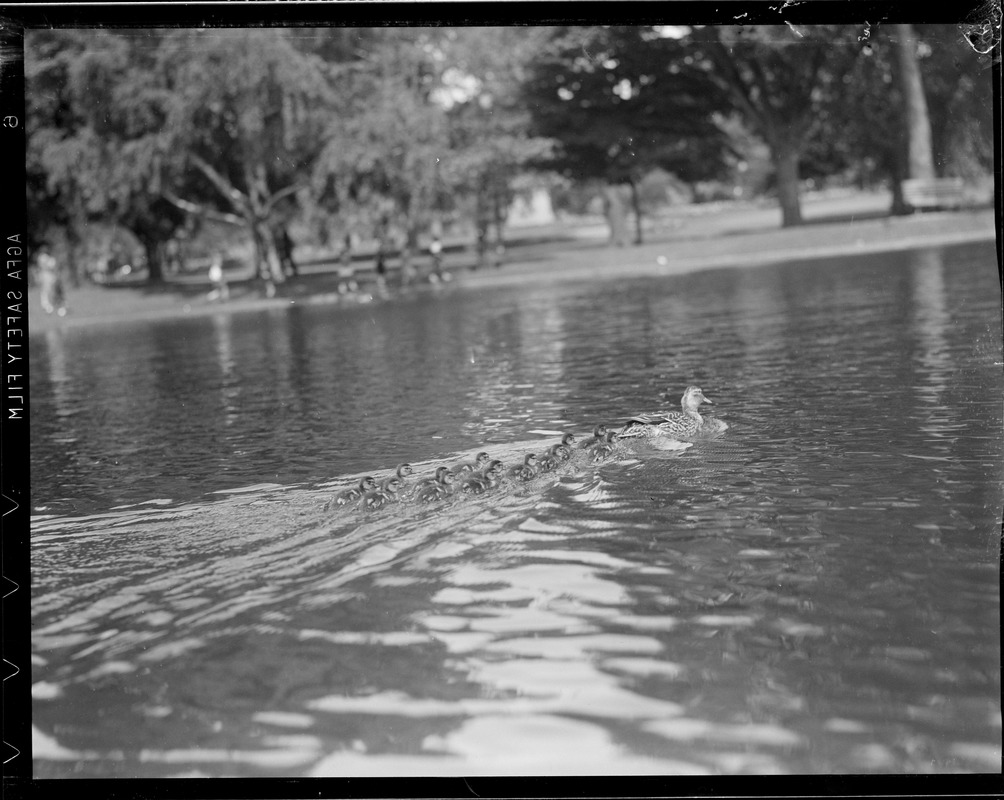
(682, 425)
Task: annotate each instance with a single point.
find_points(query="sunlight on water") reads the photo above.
(816, 591)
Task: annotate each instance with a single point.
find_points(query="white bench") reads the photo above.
(923, 193)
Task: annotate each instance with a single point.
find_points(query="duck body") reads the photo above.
(685, 424)
(602, 449)
(550, 460)
(487, 479)
(471, 467)
(599, 435)
(563, 450)
(525, 471)
(385, 493)
(353, 493)
(437, 487)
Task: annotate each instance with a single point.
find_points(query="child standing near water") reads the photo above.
(220, 289)
(51, 283)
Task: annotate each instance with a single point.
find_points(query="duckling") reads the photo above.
(468, 468)
(487, 479)
(599, 434)
(385, 493)
(549, 460)
(565, 446)
(353, 493)
(435, 488)
(526, 470)
(687, 423)
(403, 471)
(601, 450)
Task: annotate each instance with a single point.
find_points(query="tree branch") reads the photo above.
(734, 82)
(211, 213)
(235, 197)
(285, 192)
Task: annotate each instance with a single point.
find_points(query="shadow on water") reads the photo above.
(815, 591)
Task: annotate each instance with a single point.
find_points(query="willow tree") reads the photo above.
(245, 118)
(95, 115)
(386, 143)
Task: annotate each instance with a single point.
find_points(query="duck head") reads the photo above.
(403, 470)
(568, 438)
(495, 468)
(392, 484)
(530, 460)
(481, 459)
(368, 483)
(692, 398)
(443, 475)
(600, 431)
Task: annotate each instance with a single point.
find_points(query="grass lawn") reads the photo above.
(689, 239)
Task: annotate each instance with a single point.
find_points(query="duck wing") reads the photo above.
(650, 419)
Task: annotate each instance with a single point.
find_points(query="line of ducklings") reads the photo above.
(481, 475)
(485, 473)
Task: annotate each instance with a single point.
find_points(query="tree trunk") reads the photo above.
(408, 250)
(154, 260)
(269, 254)
(918, 123)
(636, 206)
(897, 171)
(785, 159)
(72, 252)
(268, 266)
(613, 210)
(481, 223)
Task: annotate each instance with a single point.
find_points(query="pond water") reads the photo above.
(815, 591)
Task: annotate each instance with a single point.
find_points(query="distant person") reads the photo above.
(345, 257)
(499, 255)
(381, 266)
(284, 244)
(50, 281)
(173, 258)
(218, 279)
(436, 254)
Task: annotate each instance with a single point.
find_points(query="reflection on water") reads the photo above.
(817, 591)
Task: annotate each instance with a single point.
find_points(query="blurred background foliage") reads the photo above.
(143, 138)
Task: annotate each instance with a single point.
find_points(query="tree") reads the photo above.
(59, 150)
(918, 124)
(622, 100)
(244, 124)
(123, 99)
(490, 142)
(959, 90)
(96, 109)
(867, 135)
(385, 148)
(782, 79)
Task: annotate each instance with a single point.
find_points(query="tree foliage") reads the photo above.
(622, 100)
(398, 127)
(244, 122)
(490, 138)
(783, 80)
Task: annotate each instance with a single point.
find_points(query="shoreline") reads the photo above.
(661, 256)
